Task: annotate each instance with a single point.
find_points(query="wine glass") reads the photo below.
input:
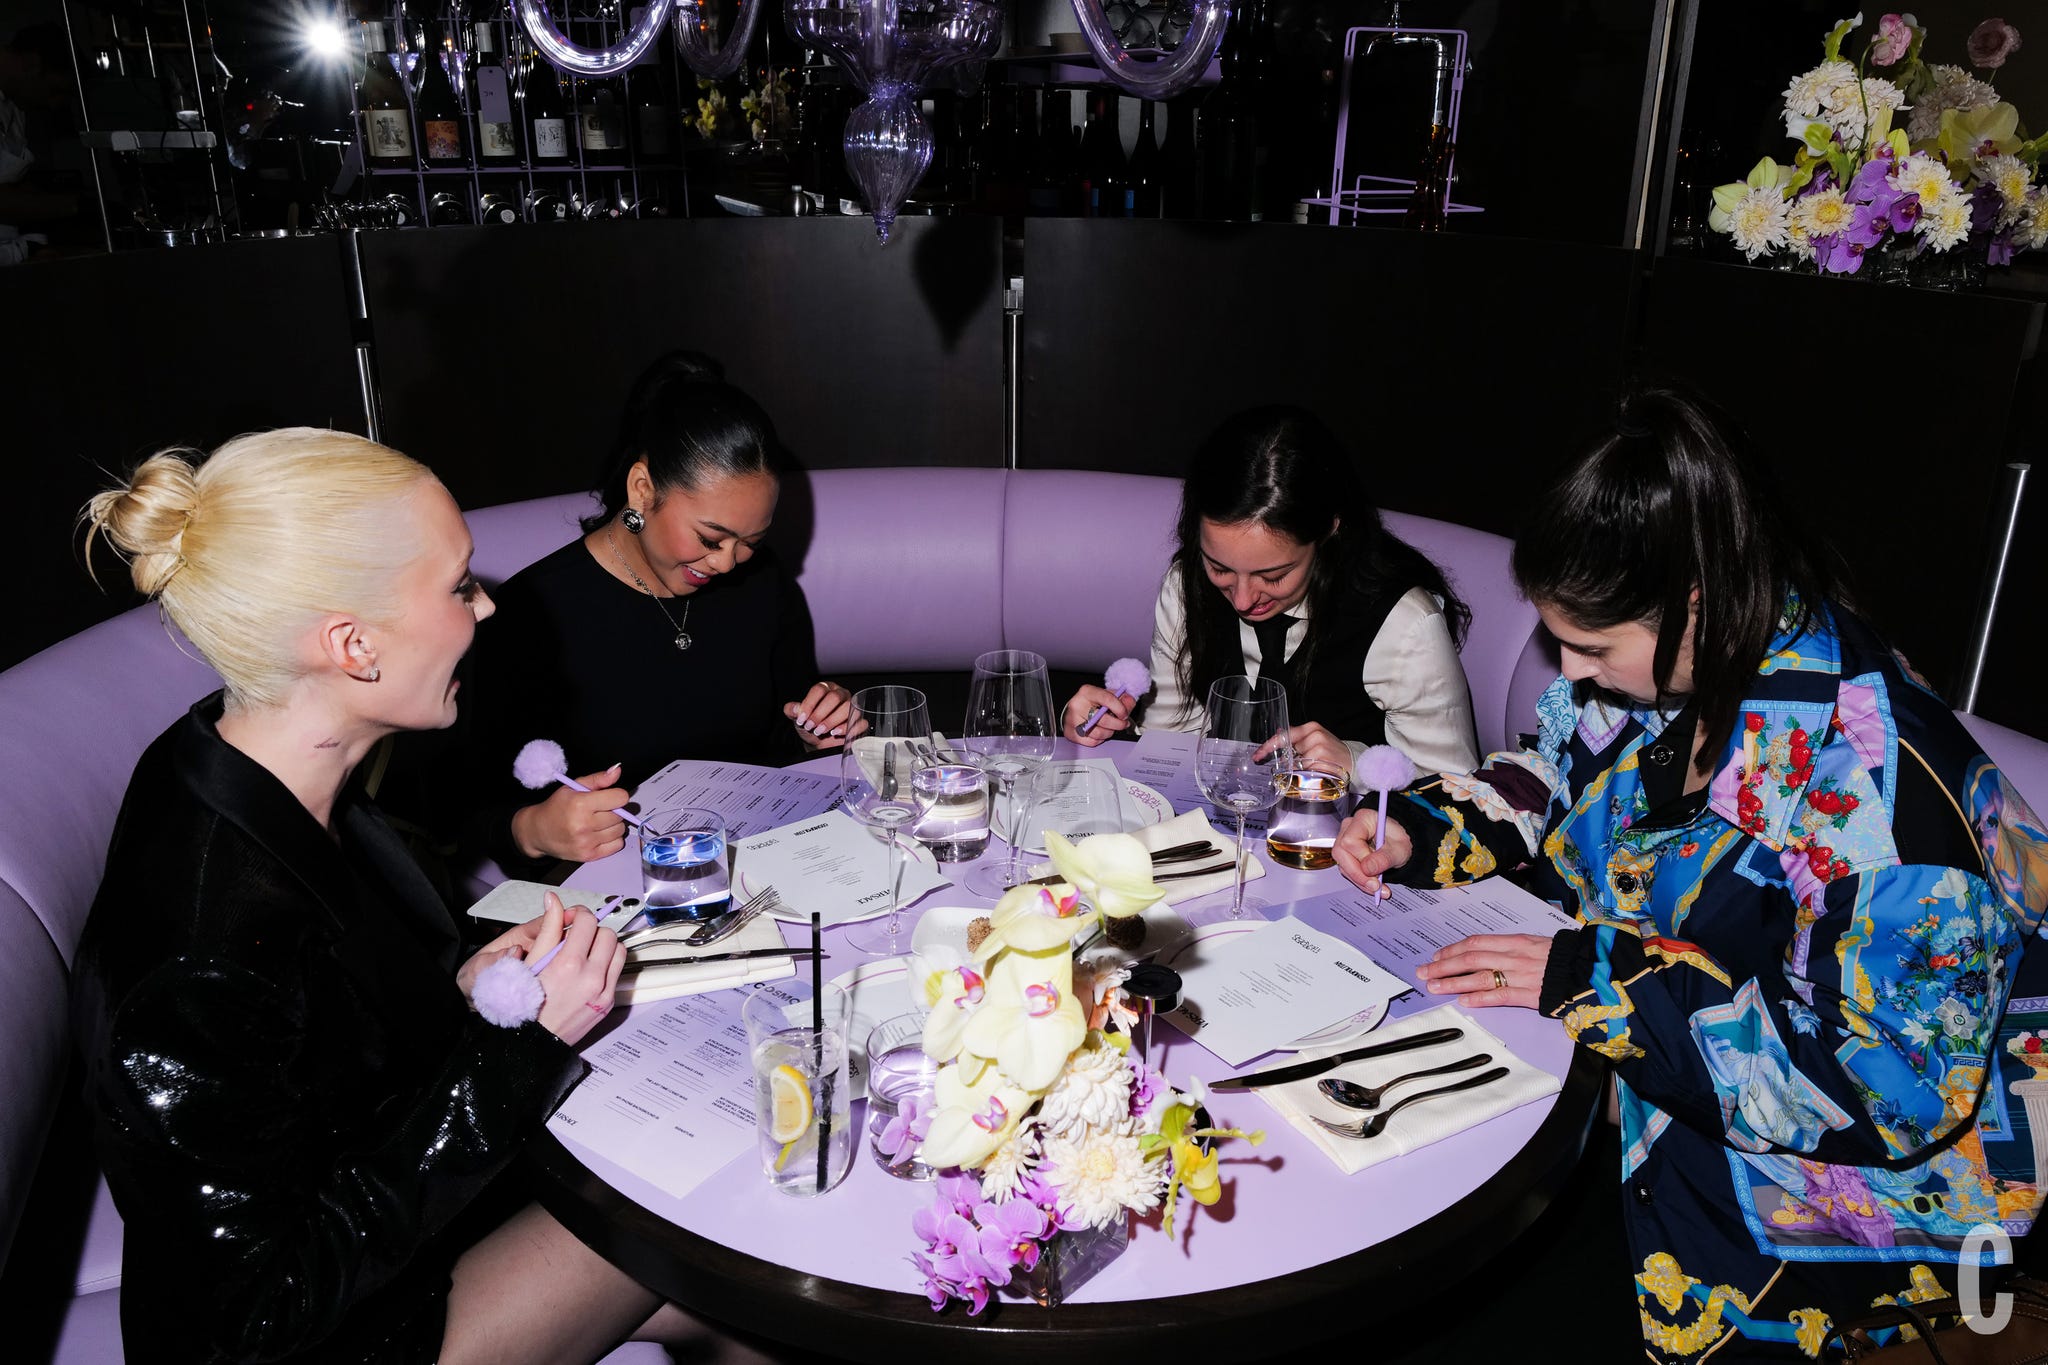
(1072, 800)
(879, 787)
(1009, 732)
(1243, 755)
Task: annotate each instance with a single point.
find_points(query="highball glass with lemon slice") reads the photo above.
(802, 1092)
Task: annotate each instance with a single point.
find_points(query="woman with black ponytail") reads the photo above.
(1285, 571)
(1804, 898)
(667, 631)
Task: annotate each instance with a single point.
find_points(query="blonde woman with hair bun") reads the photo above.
(302, 1105)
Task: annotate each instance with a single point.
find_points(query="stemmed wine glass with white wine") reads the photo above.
(1009, 734)
(1243, 756)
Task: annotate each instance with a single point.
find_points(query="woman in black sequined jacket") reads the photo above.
(300, 1116)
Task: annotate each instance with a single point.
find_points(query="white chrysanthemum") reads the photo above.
(1953, 88)
(1810, 92)
(2031, 232)
(1853, 115)
(1758, 222)
(1796, 240)
(1822, 214)
(1099, 1177)
(1923, 175)
(1092, 1095)
(1945, 221)
(1002, 1175)
(1831, 94)
(2013, 178)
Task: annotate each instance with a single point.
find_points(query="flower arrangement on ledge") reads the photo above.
(1050, 1120)
(1957, 181)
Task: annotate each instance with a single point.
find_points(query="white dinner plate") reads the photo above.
(1142, 806)
(880, 990)
(1343, 1031)
(914, 851)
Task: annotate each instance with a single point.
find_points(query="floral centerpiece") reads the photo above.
(1924, 163)
(1051, 1124)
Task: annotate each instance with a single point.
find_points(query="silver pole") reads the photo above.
(99, 191)
(2011, 489)
(1013, 366)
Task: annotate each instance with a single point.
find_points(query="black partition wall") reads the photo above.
(1459, 369)
(504, 356)
(106, 359)
(1885, 416)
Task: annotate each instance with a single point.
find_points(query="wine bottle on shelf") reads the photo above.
(547, 118)
(1233, 144)
(1428, 207)
(1180, 180)
(1054, 184)
(985, 152)
(654, 107)
(497, 132)
(1143, 172)
(441, 121)
(447, 208)
(500, 208)
(387, 114)
(545, 206)
(1102, 161)
(600, 122)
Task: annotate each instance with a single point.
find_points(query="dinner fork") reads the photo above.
(1372, 1125)
(1354, 1096)
(710, 931)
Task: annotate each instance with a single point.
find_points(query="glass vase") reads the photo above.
(1071, 1259)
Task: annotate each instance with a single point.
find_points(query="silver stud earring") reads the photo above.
(633, 520)
(373, 675)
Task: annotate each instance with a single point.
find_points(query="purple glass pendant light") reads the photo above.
(1164, 76)
(693, 38)
(889, 49)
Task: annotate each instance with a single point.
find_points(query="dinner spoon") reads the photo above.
(1372, 1125)
(1368, 1096)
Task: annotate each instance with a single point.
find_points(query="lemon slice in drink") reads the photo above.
(789, 1096)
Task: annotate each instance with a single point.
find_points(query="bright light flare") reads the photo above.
(325, 39)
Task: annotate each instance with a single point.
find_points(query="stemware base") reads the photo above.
(990, 881)
(873, 937)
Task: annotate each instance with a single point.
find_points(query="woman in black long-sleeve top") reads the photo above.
(667, 631)
(302, 1118)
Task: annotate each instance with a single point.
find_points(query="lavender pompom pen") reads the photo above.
(1127, 678)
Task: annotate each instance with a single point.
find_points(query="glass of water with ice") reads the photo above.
(685, 870)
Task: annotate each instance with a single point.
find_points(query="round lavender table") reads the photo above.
(1294, 1252)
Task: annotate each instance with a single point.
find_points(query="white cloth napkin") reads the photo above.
(1187, 828)
(1420, 1124)
(683, 978)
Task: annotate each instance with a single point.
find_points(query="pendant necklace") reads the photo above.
(682, 640)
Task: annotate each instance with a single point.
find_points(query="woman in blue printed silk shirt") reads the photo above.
(1804, 898)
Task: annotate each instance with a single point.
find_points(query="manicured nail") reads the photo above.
(839, 729)
(803, 717)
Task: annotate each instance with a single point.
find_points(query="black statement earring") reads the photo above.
(633, 520)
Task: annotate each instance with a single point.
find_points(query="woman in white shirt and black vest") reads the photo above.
(1284, 557)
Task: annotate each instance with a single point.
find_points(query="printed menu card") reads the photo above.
(1245, 994)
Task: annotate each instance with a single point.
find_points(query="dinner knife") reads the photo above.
(638, 963)
(1299, 1071)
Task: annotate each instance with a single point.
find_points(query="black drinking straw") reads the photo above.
(818, 1046)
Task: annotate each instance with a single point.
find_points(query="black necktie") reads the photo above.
(1273, 662)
